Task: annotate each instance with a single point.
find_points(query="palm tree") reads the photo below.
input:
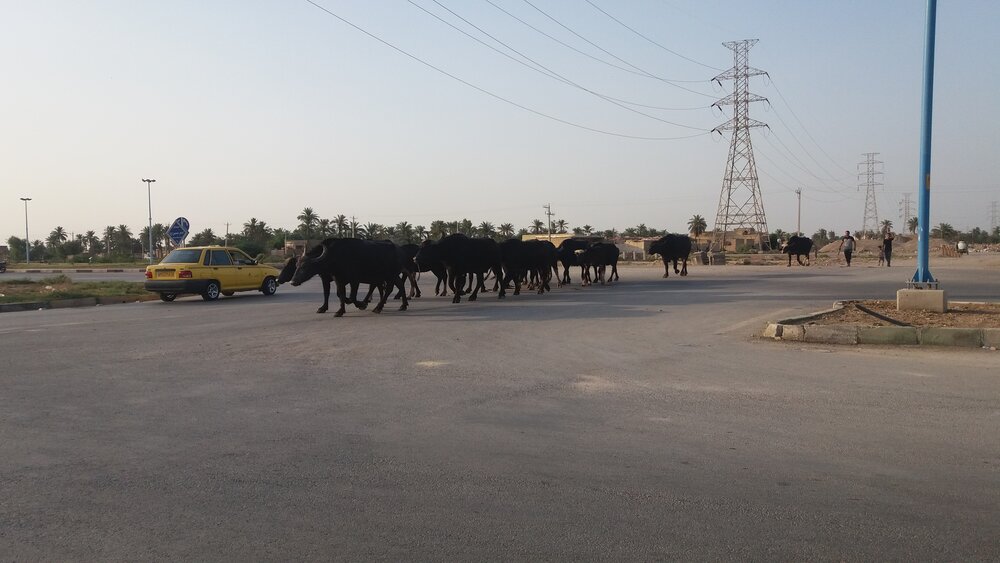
(340, 222)
(110, 234)
(438, 229)
(588, 230)
(506, 230)
(307, 222)
(125, 240)
(90, 240)
(697, 225)
(537, 227)
(353, 227)
(324, 227)
(57, 237)
(911, 224)
(486, 229)
(611, 234)
(561, 225)
(642, 230)
(404, 232)
(371, 231)
(946, 231)
(886, 225)
(420, 232)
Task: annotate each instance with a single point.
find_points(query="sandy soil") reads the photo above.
(958, 315)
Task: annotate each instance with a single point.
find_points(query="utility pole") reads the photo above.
(922, 278)
(149, 197)
(548, 211)
(27, 239)
(740, 203)
(798, 221)
(354, 225)
(227, 234)
(869, 170)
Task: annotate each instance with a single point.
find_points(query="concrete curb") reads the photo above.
(68, 303)
(790, 329)
(78, 271)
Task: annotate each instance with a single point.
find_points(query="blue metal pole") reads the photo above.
(923, 274)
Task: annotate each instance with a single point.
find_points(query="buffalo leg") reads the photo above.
(684, 266)
(798, 258)
(383, 296)
(406, 302)
(342, 297)
(326, 294)
(479, 283)
(456, 280)
(790, 259)
(666, 267)
(363, 304)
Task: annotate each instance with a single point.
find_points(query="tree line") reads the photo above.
(118, 243)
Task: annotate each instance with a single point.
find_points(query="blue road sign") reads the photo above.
(179, 230)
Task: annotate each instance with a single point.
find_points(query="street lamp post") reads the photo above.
(149, 196)
(27, 239)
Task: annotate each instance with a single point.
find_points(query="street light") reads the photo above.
(149, 196)
(27, 244)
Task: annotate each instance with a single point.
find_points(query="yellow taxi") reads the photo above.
(209, 271)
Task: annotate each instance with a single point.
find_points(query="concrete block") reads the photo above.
(894, 335)
(772, 330)
(939, 336)
(831, 334)
(921, 300)
(792, 332)
(991, 337)
(15, 307)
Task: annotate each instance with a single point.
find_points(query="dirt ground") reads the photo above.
(973, 315)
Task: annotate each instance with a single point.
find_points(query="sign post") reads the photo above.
(179, 230)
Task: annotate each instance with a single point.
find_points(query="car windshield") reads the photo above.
(182, 257)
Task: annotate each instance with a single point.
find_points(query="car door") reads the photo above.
(221, 266)
(245, 269)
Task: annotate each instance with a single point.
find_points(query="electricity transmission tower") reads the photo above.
(740, 204)
(994, 215)
(905, 210)
(869, 171)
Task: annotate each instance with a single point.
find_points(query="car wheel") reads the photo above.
(168, 297)
(269, 287)
(212, 291)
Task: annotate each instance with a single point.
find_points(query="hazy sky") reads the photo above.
(260, 108)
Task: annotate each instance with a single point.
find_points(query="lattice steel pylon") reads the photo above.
(868, 173)
(740, 203)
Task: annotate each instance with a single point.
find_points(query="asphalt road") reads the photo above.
(638, 421)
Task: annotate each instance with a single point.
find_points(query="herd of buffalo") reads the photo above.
(462, 264)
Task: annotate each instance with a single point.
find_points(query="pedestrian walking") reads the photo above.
(847, 246)
(887, 239)
(881, 255)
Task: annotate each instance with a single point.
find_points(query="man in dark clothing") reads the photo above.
(847, 245)
(887, 239)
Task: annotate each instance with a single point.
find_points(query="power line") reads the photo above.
(491, 94)
(672, 52)
(642, 71)
(542, 69)
(808, 134)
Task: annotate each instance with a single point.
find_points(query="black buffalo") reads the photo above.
(350, 262)
(528, 260)
(672, 248)
(568, 255)
(461, 257)
(599, 256)
(799, 246)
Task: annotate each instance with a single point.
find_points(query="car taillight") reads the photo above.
(184, 274)
(149, 275)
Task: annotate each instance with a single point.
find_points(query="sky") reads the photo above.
(261, 108)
